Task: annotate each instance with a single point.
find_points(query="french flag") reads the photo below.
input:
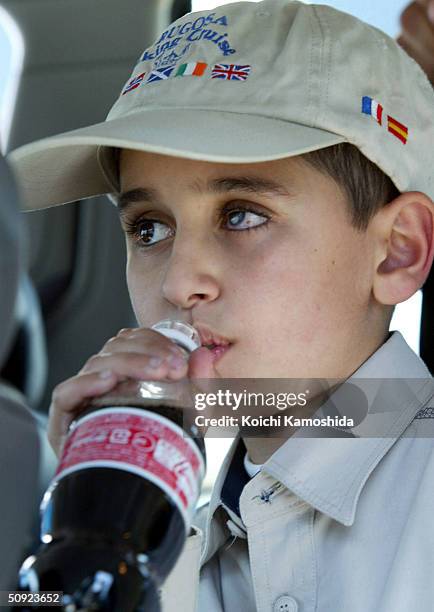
(373, 108)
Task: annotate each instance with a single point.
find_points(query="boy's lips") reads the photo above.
(219, 351)
(215, 342)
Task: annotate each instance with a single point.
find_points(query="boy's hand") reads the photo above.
(417, 35)
(140, 354)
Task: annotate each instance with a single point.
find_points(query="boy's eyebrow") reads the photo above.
(247, 184)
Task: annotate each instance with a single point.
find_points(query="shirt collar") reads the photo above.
(329, 473)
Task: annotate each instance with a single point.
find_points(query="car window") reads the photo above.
(11, 63)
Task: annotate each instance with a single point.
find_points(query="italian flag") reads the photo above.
(193, 68)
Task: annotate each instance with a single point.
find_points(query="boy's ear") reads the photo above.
(404, 244)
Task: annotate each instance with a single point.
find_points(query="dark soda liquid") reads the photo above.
(105, 519)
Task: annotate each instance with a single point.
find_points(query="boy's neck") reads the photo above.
(261, 449)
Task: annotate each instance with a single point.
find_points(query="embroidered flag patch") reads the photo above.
(160, 75)
(375, 110)
(191, 69)
(230, 72)
(134, 83)
(397, 129)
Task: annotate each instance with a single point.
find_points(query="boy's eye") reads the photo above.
(148, 232)
(244, 219)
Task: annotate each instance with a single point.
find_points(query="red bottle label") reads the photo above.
(140, 442)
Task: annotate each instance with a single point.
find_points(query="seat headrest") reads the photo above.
(11, 258)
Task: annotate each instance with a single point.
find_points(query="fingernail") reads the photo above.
(104, 374)
(154, 362)
(176, 362)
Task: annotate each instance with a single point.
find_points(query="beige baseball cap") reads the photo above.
(250, 82)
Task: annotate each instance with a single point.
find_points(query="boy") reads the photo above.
(272, 165)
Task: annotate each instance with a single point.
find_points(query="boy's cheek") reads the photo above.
(141, 288)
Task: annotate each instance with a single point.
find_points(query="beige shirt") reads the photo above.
(329, 524)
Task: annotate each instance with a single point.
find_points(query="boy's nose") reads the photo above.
(192, 273)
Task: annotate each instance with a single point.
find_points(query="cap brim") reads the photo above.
(66, 168)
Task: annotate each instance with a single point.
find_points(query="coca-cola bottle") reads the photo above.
(118, 511)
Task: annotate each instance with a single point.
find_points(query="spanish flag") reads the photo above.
(397, 129)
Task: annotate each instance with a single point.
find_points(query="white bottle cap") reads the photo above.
(181, 333)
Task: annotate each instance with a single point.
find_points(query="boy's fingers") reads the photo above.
(417, 36)
(71, 392)
(134, 353)
(100, 375)
(417, 27)
(430, 11)
(415, 15)
(201, 371)
(69, 398)
(428, 6)
(140, 341)
(201, 364)
(137, 365)
(418, 57)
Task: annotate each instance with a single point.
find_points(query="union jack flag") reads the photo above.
(230, 72)
(135, 82)
(160, 75)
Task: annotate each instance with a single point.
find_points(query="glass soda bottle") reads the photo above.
(118, 511)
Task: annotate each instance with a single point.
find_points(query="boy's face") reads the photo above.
(293, 294)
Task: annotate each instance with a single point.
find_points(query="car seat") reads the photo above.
(26, 461)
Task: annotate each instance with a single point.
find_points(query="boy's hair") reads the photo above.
(366, 186)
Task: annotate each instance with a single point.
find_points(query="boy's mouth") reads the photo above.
(213, 341)
(217, 351)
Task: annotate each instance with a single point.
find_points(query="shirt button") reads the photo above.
(285, 603)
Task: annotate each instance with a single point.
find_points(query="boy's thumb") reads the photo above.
(201, 364)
